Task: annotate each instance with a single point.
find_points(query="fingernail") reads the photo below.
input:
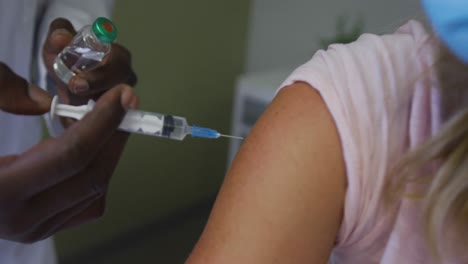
(135, 102)
(126, 98)
(60, 33)
(78, 85)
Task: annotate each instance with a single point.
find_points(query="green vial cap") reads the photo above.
(104, 29)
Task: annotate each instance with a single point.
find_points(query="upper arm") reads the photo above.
(282, 199)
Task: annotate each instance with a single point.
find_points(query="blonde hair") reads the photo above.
(443, 191)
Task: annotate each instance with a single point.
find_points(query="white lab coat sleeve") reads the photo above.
(79, 13)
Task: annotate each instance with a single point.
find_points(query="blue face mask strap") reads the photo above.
(449, 18)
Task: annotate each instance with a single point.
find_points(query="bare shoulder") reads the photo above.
(282, 199)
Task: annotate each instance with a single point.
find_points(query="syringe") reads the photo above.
(141, 122)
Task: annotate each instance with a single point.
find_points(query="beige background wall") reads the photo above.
(287, 33)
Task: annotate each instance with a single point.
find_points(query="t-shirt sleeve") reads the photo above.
(366, 86)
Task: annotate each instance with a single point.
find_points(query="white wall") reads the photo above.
(286, 33)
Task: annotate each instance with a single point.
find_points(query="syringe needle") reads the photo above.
(229, 136)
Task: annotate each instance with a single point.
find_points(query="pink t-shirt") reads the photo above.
(383, 98)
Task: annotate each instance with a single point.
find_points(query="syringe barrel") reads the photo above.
(155, 124)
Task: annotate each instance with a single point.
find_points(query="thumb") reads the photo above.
(98, 125)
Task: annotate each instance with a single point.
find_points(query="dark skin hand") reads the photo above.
(115, 69)
(62, 182)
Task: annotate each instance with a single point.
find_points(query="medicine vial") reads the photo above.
(87, 49)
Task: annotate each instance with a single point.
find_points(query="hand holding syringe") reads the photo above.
(152, 124)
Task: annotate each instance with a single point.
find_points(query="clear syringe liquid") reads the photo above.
(155, 124)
